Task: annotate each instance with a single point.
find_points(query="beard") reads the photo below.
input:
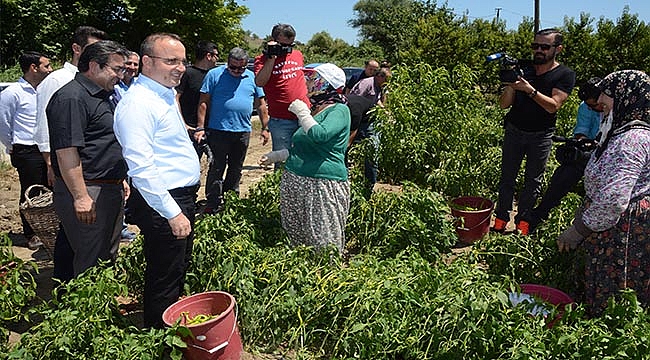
(541, 58)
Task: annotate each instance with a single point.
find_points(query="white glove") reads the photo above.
(574, 235)
(274, 157)
(569, 239)
(305, 120)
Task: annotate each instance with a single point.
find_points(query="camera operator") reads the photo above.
(529, 126)
(573, 155)
(279, 71)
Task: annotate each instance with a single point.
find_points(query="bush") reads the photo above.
(438, 131)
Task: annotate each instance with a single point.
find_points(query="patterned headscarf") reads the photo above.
(630, 90)
(319, 90)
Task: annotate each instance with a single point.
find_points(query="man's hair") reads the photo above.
(100, 52)
(552, 31)
(384, 71)
(204, 47)
(238, 54)
(385, 64)
(283, 29)
(28, 58)
(590, 90)
(134, 53)
(83, 33)
(147, 45)
(369, 61)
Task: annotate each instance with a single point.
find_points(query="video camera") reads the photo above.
(277, 50)
(573, 150)
(511, 68)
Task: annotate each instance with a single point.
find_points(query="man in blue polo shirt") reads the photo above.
(229, 91)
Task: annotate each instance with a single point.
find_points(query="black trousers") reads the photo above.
(167, 258)
(228, 150)
(31, 167)
(564, 179)
(517, 145)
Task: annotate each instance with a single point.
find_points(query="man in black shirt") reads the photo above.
(89, 189)
(189, 90)
(529, 125)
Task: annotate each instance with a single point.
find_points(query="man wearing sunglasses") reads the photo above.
(529, 125)
(227, 98)
(89, 190)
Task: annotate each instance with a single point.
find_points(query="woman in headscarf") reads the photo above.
(314, 190)
(613, 225)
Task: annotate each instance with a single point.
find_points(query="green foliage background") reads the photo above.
(401, 291)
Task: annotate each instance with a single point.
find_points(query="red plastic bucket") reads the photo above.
(214, 339)
(550, 295)
(471, 225)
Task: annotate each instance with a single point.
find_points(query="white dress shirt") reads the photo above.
(46, 89)
(155, 144)
(17, 114)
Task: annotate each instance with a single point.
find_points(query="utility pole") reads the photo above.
(536, 16)
(498, 11)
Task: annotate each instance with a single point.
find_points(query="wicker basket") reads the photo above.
(39, 212)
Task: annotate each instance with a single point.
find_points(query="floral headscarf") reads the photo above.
(630, 90)
(320, 91)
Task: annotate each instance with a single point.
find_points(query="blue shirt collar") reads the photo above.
(167, 94)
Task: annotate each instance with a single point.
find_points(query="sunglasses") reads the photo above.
(236, 68)
(544, 47)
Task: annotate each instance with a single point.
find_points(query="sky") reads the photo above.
(309, 17)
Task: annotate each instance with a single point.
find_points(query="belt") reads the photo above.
(192, 189)
(104, 181)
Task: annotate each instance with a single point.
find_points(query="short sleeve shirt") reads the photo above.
(286, 84)
(80, 114)
(231, 99)
(189, 90)
(525, 114)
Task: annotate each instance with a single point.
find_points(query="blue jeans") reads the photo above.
(517, 144)
(281, 133)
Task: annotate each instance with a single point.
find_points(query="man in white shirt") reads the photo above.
(164, 169)
(17, 123)
(83, 36)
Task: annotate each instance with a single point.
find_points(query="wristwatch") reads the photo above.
(265, 129)
(532, 94)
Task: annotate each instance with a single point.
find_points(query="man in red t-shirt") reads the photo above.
(279, 71)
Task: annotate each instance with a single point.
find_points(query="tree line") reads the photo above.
(404, 32)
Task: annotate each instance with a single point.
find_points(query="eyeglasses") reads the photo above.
(535, 46)
(170, 61)
(119, 70)
(236, 68)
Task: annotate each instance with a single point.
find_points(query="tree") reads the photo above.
(390, 23)
(47, 25)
